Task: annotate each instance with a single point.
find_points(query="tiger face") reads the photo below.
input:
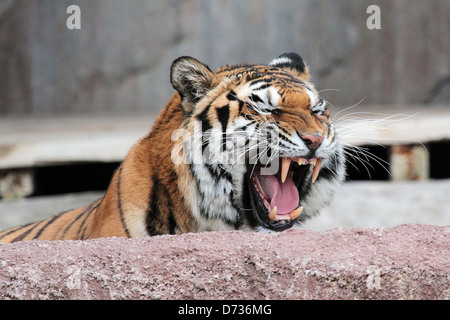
(259, 143)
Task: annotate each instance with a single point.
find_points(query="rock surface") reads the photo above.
(404, 262)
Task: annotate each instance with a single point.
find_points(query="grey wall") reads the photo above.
(120, 59)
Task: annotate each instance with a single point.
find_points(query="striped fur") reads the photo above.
(189, 173)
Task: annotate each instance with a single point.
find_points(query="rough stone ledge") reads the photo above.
(404, 262)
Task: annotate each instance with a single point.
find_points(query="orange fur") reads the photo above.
(129, 191)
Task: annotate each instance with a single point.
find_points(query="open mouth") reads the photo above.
(275, 199)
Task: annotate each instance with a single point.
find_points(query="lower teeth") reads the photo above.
(281, 218)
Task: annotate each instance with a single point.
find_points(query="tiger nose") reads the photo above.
(312, 142)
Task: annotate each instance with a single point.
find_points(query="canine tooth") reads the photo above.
(273, 214)
(285, 164)
(294, 214)
(316, 169)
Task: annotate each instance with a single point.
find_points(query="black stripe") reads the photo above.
(232, 96)
(23, 235)
(15, 229)
(282, 144)
(256, 98)
(47, 224)
(287, 139)
(82, 237)
(265, 80)
(264, 86)
(282, 129)
(305, 185)
(238, 222)
(206, 125)
(172, 221)
(119, 203)
(76, 219)
(241, 105)
(85, 220)
(217, 172)
(223, 114)
(203, 117)
(247, 214)
(243, 128)
(153, 218)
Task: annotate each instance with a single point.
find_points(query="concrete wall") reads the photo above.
(120, 59)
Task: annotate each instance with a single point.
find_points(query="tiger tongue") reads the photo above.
(284, 196)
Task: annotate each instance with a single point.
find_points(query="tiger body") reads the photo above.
(200, 167)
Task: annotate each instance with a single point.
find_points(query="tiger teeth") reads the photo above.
(282, 217)
(273, 214)
(291, 216)
(316, 169)
(285, 164)
(294, 214)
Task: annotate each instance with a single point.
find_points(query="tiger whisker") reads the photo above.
(348, 108)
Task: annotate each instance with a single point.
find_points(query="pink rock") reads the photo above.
(404, 262)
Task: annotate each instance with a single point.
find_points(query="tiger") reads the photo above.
(248, 147)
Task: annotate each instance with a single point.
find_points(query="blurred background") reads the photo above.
(73, 101)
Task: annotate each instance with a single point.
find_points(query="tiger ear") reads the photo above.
(292, 63)
(191, 78)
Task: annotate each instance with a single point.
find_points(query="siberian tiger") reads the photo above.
(247, 147)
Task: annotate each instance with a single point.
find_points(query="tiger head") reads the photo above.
(259, 143)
